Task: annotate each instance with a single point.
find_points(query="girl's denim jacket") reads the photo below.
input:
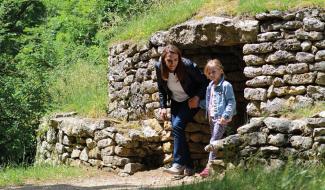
(224, 99)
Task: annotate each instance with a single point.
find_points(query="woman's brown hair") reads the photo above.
(180, 69)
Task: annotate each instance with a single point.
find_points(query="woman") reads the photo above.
(180, 81)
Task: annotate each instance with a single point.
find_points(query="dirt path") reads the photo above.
(108, 180)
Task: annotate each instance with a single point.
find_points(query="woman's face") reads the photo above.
(171, 61)
(214, 74)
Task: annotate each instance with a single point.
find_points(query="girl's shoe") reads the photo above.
(205, 172)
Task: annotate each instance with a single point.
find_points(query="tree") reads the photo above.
(21, 79)
(38, 38)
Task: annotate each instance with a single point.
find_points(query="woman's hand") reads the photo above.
(193, 102)
(163, 114)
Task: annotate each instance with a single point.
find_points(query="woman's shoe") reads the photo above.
(176, 169)
(205, 172)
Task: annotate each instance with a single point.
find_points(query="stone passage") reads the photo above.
(283, 53)
(232, 60)
(132, 78)
(275, 63)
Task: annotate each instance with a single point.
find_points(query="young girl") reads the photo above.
(220, 103)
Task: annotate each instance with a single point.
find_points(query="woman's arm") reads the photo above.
(162, 92)
(199, 78)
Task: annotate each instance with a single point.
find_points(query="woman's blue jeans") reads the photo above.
(181, 114)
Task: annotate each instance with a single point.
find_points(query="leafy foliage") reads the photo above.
(78, 83)
(22, 96)
(49, 50)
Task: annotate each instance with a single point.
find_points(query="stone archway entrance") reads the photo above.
(216, 37)
(132, 86)
(232, 59)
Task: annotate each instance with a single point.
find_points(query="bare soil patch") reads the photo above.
(98, 179)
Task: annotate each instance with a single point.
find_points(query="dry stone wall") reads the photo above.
(286, 65)
(272, 141)
(103, 143)
(128, 148)
(124, 148)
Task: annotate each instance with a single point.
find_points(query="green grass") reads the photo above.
(160, 17)
(11, 176)
(81, 87)
(257, 6)
(303, 111)
(290, 177)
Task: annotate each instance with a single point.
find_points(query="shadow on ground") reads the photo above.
(71, 187)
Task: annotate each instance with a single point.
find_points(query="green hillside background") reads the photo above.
(53, 54)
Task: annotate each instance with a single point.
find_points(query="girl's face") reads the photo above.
(171, 61)
(214, 74)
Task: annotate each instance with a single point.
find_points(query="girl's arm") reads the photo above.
(230, 102)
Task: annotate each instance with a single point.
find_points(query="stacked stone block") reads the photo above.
(272, 141)
(286, 65)
(103, 143)
(197, 134)
(132, 87)
(115, 146)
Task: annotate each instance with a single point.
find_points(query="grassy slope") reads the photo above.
(256, 6)
(302, 112)
(160, 17)
(20, 175)
(166, 15)
(81, 87)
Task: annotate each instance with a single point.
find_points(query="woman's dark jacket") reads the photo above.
(194, 82)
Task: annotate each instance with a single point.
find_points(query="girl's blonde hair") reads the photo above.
(214, 63)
